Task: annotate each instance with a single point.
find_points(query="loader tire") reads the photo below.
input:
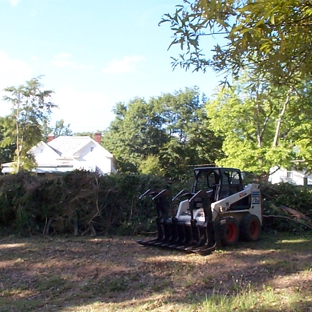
(228, 231)
(250, 228)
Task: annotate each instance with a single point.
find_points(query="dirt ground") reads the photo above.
(117, 274)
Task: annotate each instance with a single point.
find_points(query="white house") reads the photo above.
(290, 176)
(67, 153)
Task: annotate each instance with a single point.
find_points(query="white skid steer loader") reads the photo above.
(217, 212)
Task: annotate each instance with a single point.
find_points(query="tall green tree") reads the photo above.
(259, 132)
(300, 126)
(31, 109)
(59, 128)
(135, 133)
(164, 135)
(187, 125)
(6, 151)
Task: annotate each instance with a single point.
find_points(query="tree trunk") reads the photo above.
(17, 135)
(279, 121)
(76, 231)
(47, 227)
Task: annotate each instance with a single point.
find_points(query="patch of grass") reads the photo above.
(104, 287)
(116, 285)
(52, 283)
(13, 291)
(23, 304)
(251, 300)
(161, 285)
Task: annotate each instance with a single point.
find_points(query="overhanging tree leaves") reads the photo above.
(272, 37)
(31, 108)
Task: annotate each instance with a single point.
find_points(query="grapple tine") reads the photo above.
(205, 250)
(164, 192)
(146, 243)
(183, 192)
(147, 192)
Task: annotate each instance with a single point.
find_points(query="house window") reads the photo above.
(289, 174)
(91, 148)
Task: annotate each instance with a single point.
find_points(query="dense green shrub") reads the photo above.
(79, 202)
(76, 202)
(275, 196)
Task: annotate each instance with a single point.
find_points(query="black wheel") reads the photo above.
(228, 231)
(250, 228)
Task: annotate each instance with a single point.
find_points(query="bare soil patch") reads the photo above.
(114, 274)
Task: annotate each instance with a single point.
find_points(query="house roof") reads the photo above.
(67, 146)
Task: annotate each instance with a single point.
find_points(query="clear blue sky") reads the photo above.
(92, 54)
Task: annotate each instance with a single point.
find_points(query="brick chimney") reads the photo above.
(97, 137)
(50, 137)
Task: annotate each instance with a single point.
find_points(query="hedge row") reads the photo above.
(80, 202)
(76, 202)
